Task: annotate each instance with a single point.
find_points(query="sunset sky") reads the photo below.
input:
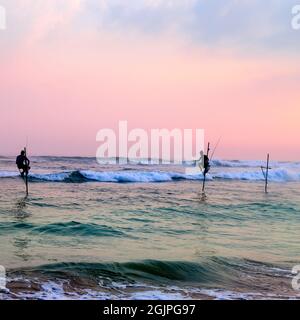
(71, 67)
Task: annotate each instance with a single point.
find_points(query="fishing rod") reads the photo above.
(208, 149)
(215, 148)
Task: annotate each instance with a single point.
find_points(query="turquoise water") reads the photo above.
(143, 231)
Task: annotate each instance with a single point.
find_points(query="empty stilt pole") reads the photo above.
(266, 173)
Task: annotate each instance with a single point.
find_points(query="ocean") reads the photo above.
(141, 231)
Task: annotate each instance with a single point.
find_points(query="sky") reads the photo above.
(71, 68)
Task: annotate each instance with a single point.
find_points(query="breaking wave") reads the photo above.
(136, 176)
(149, 279)
(253, 164)
(112, 176)
(277, 175)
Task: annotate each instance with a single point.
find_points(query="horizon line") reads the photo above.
(149, 159)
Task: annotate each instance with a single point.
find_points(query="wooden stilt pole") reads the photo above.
(203, 186)
(204, 172)
(26, 175)
(267, 174)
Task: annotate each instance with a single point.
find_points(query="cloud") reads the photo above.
(246, 24)
(250, 24)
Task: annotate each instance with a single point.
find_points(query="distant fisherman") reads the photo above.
(23, 163)
(204, 164)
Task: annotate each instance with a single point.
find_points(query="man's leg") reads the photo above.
(25, 170)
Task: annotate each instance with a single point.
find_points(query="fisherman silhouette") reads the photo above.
(23, 163)
(204, 164)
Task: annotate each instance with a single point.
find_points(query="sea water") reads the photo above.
(140, 231)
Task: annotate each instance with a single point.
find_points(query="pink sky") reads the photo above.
(61, 89)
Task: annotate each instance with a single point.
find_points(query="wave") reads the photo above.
(209, 270)
(135, 176)
(107, 176)
(253, 164)
(276, 175)
(62, 290)
(237, 163)
(71, 228)
(9, 174)
(151, 279)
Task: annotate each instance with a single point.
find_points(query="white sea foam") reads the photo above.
(137, 176)
(134, 176)
(8, 174)
(55, 177)
(51, 290)
(253, 164)
(276, 175)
